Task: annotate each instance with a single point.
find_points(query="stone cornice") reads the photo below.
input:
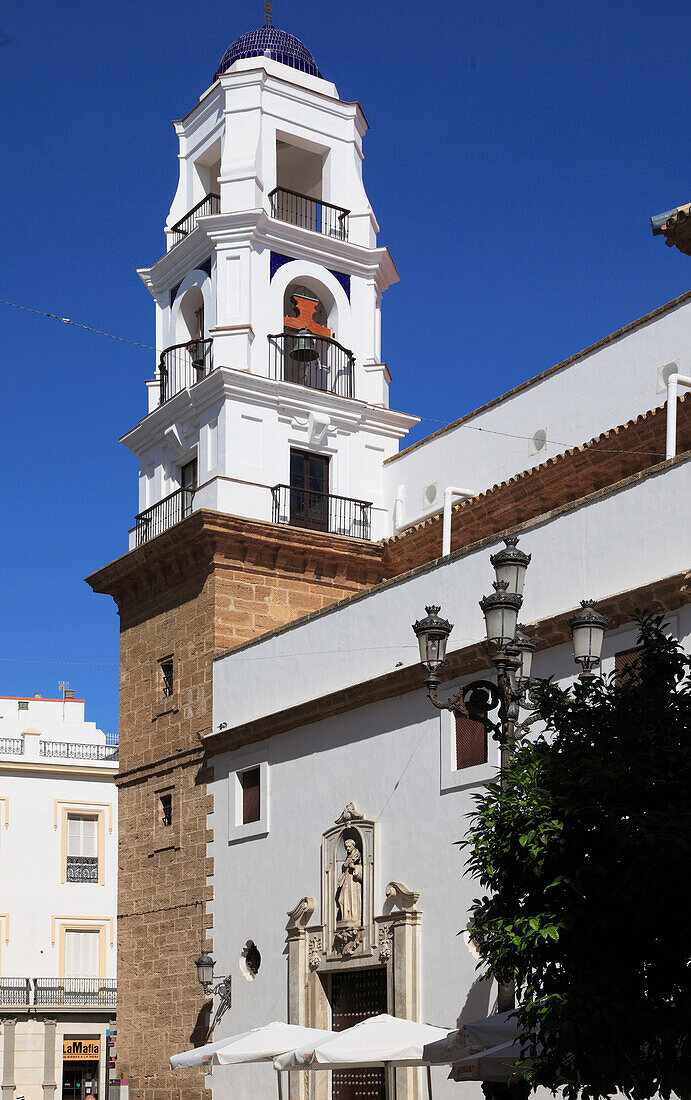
(663, 595)
(207, 541)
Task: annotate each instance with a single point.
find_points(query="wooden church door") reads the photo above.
(356, 995)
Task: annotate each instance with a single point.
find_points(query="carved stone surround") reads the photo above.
(390, 939)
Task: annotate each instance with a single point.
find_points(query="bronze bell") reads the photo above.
(305, 349)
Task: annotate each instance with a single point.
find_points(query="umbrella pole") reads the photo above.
(429, 1083)
(279, 1082)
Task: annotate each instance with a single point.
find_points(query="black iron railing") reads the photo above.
(321, 512)
(182, 365)
(77, 750)
(159, 517)
(314, 361)
(12, 746)
(321, 217)
(210, 204)
(82, 868)
(82, 992)
(15, 991)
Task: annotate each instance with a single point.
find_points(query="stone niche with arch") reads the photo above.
(352, 936)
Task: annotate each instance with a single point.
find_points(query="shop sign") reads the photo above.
(85, 1049)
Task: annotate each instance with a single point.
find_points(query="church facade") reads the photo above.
(288, 798)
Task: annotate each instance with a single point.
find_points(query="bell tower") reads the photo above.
(268, 309)
(260, 484)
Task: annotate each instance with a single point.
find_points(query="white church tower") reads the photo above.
(270, 399)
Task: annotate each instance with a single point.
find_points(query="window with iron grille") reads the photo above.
(23, 704)
(251, 805)
(471, 742)
(167, 678)
(82, 848)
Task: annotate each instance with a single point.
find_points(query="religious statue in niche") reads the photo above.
(348, 896)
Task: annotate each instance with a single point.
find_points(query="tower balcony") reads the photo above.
(321, 512)
(317, 362)
(182, 365)
(210, 204)
(320, 217)
(160, 516)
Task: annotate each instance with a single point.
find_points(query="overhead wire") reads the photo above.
(428, 419)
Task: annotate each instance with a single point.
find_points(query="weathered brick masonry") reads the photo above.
(208, 583)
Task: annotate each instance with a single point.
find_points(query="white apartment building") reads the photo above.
(58, 889)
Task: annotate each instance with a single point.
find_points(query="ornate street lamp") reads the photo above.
(588, 628)
(511, 653)
(501, 609)
(526, 647)
(205, 970)
(510, 565)
(432, 634)
(223, 989)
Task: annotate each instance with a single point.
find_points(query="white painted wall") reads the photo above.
(599, 391)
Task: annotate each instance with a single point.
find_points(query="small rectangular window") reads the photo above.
(167, 681)
(471, 742)
(166, 801)
(249, 781)
(23, 704)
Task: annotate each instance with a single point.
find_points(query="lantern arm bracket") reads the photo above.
(222, 989)
(472, 700)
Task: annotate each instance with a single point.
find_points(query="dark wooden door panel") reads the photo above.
(356, 995)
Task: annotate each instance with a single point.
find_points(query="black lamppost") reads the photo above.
(511, 653)
(223, 989)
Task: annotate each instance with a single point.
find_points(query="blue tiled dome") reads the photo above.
(277, 44)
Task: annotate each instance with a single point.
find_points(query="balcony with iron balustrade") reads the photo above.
(210, 204)
(314, 214)
(81, 993)
(182, 366)
(161, 516)
(326, 512)
(317, 362)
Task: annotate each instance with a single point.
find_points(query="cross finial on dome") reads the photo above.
(268, 13)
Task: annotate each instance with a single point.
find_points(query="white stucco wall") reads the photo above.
(598, 391)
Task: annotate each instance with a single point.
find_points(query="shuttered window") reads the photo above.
(82, 954)
(251, 807)
(81, 836)
(471, 742)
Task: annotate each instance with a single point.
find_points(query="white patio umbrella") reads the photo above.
(261, 1044)
(484, 1050)
(492, 1064)
(379, 1041)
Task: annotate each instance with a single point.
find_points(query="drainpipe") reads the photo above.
(673, 382)
(449, 493)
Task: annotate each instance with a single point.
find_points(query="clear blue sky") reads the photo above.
(516, 153)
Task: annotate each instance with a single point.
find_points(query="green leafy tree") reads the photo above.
(584, 853)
